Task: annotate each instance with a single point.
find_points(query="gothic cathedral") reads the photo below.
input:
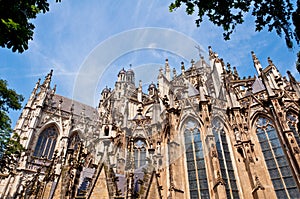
(202, 133)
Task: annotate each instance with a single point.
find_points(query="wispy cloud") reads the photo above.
(65, 37)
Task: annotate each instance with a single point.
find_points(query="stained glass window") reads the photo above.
(195, 161)
(276, 161)
(225, 161)
(46, 143)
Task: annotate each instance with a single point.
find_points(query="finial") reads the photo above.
(49, 75)
(291, 77)
(160, 71)
(167, 67)
(235, 71)
(174, 72)
(182, 66)
(229, 67)
(36, 85)
(193, 63)
(255, 60)
(270, 62)
(210, 51)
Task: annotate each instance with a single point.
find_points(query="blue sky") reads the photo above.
(73, 32)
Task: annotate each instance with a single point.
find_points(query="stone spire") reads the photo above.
(47, 81)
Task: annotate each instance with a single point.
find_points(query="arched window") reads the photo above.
(195, 161)
(139, 154)
(74, 141)
(225, 161)
(292, 120)
(276, 161)
(46, 143)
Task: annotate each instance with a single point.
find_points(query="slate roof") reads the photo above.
(78, 108)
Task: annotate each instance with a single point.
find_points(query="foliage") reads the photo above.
(15, 26)
(278, 15)
(298, 63)
(10, 147)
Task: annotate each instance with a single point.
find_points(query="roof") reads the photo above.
(78, 107)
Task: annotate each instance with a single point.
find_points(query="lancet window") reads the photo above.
(139, 154)
(227, 171)
(195, 161)
(45, 145)
(276, 161)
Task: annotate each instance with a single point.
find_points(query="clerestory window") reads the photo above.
(45, 145)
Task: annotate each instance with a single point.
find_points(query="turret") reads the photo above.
(105, 93)
(121, 75)
(130, 76)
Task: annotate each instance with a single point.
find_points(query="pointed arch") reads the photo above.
(258, 114)
(225, 160)
(196, 167)
(276, 161)
(190, 117)
(46, 141)
(74, 139)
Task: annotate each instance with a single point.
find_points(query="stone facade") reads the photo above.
(203, 133)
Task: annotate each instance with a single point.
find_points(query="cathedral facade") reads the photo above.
(201, 133)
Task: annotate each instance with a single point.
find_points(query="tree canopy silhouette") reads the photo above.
(16, 28)
(281, 16)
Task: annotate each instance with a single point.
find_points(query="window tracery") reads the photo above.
(276, 161)
(46, 143)
(227, 171)
(195, 161)
(139, 153)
